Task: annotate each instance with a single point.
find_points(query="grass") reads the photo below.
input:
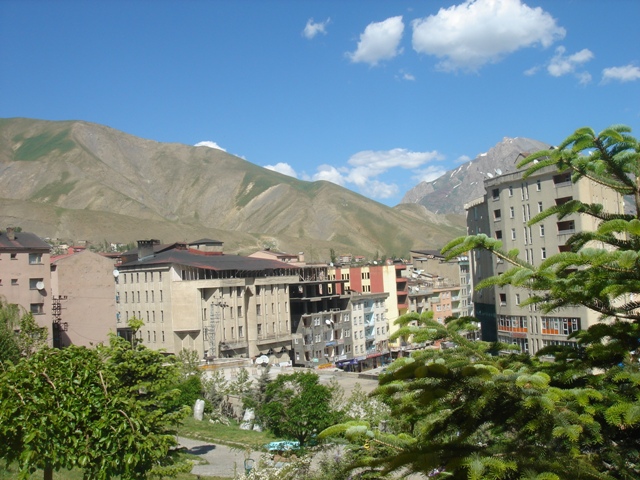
(33, 148)
(11, 473)
(230, 435)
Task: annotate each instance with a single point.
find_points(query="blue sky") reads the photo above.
(374, 95)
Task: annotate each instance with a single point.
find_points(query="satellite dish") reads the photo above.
(327, 321)
(116, 273)
(40, 285)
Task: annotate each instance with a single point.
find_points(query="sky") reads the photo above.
(373, 95)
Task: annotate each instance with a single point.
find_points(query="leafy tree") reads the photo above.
(20, 335)
(102, 410)
(297, 406)
(468, 413)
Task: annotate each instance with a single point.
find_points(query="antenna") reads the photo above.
(116, 273)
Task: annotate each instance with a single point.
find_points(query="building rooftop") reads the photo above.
(22, 241)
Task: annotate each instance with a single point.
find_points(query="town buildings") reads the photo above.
(194, 297)
(439, 285)
(503, 213)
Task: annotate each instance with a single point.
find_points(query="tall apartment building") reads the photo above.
(192, 296)
(384, 278)
(503, 213)
(25, 278)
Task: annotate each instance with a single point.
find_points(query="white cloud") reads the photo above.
(404, 75)
(210, 145)
(378, 189)
(365, 167)
(329, 173)
(627, 73)
(283, 168)
(428, 174)
(380, 41)
(312, 28)
(477, 32)
(562, 64)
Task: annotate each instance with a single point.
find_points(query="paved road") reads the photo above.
(223, 461)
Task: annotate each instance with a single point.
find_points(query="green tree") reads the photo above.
(468, 413)
(103, 410)
(297, 407)
(20, 335)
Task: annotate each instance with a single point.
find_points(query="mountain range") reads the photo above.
(75, 180)
(449, 193)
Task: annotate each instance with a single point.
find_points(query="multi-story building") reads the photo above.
(321, 320)
(25, 277)
(384, 278)
(510, 202)
(370, 329)
(192, 296)
(440, 285)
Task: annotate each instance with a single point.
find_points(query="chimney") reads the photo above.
(300, 257)
(145, 248)
(11, 234)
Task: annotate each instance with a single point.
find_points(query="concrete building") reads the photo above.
(503, 213)
(25, 278)
(440, 285)
(192, 296)
(84, 291)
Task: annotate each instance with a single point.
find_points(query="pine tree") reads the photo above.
(467, 413)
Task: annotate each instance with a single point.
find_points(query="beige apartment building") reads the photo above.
(194, 297)
(25, 278)
(503, 213)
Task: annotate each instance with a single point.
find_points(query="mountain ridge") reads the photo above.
(444, 195)
(80, 180)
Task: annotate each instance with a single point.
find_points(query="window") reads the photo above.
(36, 308)
(34, 258)
(503, 299)
(14, 281)
(33, 283)
(240, 311)
(542, 230)
(258, 309)
(495, 193)
(517, 299)
(512, 212)
(510, 191)
(513, 234)
(240, 332)
(543, 253)
(539, 207)
(538, 185)
(162, 336)
(259, 329)
(497, 215)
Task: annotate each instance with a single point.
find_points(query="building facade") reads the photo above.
(84, 291)
(192, 296)
(509, 204)
(25, 277)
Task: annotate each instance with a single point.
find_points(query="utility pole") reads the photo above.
(214, 320)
